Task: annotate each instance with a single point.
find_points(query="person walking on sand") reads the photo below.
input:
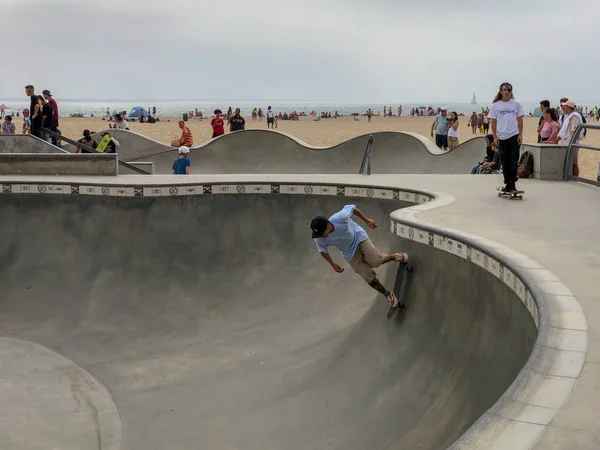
(506, 115)
(353, 242)
(441, 129)
(473, 122)
(237, 122)
(217, 124)
(270, 118)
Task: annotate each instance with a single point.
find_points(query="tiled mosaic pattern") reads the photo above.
(213, 189)
(462, 250)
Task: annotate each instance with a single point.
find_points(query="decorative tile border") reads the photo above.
(523, 413)
(217, 188)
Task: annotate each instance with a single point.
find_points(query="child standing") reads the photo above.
(26, 121)
(181, 166)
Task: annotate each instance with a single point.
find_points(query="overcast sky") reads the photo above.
(330, 50)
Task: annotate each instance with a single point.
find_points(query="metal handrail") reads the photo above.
(80, 146)
(365, 166)
(568, 170)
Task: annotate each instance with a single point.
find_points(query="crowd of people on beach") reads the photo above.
(556, 126)
(41, 116)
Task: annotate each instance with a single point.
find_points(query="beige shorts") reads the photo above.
(366, 259)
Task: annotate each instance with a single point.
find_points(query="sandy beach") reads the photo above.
(325, 132)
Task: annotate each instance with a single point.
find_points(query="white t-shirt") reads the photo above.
(270, 114)
(453, 133)
(506, 114)
(569, 126)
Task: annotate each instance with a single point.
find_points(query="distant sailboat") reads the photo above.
(474, 100)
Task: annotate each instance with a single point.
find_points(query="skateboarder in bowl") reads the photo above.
(354, 244)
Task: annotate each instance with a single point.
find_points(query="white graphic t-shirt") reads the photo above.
(506, 114)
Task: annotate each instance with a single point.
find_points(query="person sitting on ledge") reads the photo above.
(491, 161)
(87, 141)
(186, 135)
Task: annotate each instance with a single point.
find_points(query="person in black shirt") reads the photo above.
(36, 126)
(46, 118)
(36, 117)
(544, 104)
(88, 142)
(237, 122)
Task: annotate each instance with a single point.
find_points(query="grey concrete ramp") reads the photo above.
(260, 151)
(26, 143)
(212, 322)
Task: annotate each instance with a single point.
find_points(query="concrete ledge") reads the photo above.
(58, 164)
(26, 143)
(548, 160)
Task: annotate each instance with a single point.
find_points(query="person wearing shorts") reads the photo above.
(270, 118)
(441, 129)
(353, 242)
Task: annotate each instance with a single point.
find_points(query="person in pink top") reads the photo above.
(551, 127)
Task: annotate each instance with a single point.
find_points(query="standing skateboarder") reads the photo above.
(354, 244)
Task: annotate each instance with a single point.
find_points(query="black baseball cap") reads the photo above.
(318, 226)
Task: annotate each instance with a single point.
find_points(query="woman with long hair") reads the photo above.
(453, 131)
(550, 127)
(36, 117)
(506, 116)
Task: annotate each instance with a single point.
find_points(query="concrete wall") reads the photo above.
(262, 151)
(548, 160)
(58, 164)
(25, 143)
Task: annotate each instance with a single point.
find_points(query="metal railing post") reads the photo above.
(79, 145)
(568, 172)
(365, 166)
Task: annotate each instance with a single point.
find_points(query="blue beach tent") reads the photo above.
(136, 111)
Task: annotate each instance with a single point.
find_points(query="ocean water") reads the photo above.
(178, 107)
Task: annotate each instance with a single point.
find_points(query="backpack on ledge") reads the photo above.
(525, 168)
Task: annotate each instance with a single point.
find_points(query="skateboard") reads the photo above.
(511, 195)
(400, 287)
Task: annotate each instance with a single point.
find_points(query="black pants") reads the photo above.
(509, 153)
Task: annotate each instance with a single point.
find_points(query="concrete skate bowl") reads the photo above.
(258, 151)
(210, 321)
